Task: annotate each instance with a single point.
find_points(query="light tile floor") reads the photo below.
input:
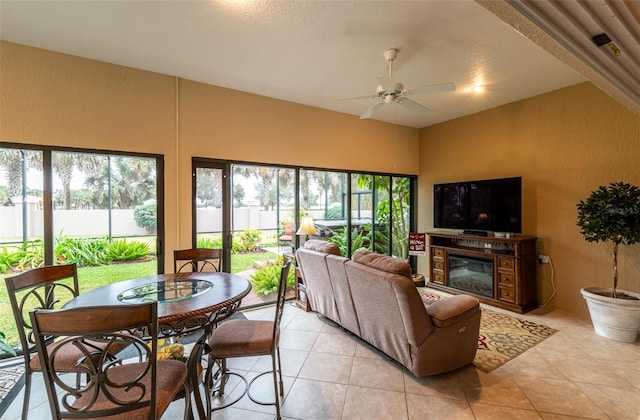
(330, 374)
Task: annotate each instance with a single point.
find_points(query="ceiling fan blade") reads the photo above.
(354, 97)
(386, 82)
(369, 112)
(412, 105)
(442, 87)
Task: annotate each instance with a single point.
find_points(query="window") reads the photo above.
(60, 206)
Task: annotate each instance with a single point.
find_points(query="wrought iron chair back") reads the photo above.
(197, 259)
(138, 387)
(47, 287)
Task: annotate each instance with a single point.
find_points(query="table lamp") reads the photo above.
(307, 228)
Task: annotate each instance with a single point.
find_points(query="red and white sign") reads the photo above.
(417, 243)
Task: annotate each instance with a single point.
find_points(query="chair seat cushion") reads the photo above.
(242, 337)
(68, 357)
(170, 381)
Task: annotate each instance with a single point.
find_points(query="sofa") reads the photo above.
(374, 297)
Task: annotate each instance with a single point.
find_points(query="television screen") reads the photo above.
(482, 206)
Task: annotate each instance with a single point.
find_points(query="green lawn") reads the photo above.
(93, 277)
(88, 277)
(242, 262)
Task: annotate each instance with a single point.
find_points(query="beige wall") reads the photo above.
(54, 99)
(564, 144)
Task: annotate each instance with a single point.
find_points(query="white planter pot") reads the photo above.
(616, 319)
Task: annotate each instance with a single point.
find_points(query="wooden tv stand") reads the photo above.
(509, 263)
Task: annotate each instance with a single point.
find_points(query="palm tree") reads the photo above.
(12, 160)
(63, 165)
(124, 183)
(266, 175)
(209, 187)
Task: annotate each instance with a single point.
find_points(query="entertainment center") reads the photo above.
(499, 271)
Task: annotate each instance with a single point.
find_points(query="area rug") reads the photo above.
(11, 382)
(502, 337)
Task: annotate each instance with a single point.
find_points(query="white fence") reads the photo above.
(94, 223)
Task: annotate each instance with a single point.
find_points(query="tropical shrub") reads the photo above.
(30, 254)
(248, 240)
(4, 347)
(360, 239)
(334, 213)
(265, 280)
(8, 259)
(82, 251)
(121, 250)
(209, 243)
(146, 216)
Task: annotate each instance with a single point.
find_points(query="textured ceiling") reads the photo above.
(312, 52)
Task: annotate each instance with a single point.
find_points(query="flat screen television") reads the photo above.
(478, 207)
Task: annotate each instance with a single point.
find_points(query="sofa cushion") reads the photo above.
(383, 262)
(322, 246)
(452, 309)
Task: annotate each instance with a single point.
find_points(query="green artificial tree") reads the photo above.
(611, 214)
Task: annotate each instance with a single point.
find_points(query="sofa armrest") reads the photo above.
(452, 309)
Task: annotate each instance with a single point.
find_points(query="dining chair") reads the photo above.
(246, 338)
(197, 259)
(139, 387)
(47, 287)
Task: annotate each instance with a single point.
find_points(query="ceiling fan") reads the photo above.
(390, 91)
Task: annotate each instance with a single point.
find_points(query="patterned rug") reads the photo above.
(11, 382)
(503, 337)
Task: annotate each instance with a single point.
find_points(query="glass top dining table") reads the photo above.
(185, 300)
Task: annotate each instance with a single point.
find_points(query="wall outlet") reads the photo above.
(544, 259)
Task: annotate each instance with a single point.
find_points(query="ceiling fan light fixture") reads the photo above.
(388, 99)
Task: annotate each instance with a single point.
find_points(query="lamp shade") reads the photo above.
(307, 227)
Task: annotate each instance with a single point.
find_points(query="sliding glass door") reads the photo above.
(254, 213)
(210, 189)
(249, 212)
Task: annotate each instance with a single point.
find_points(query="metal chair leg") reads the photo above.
(27, 394)
(277, 389)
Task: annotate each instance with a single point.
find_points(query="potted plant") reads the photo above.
(612, 214)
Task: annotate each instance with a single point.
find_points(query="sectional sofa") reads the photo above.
(373, 296)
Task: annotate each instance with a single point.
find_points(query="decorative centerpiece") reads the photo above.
(612, 214)
(173, 351)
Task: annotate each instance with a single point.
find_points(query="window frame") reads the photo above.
(47, 193)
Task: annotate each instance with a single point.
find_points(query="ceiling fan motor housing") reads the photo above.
(395, 90)
(389, 91)
(390, 54)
